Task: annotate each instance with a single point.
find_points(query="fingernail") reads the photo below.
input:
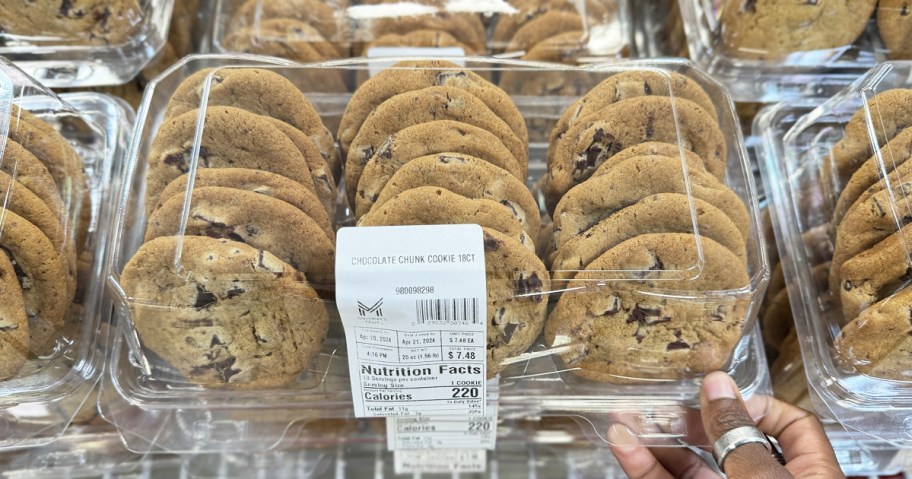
(718, 385)
(621, 435)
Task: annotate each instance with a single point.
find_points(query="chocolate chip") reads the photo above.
(491, 244)
(366, 155)
(11, 327)
(65, 7)
(650, 126)
(846, 285)
(215, 229)
(718, 315)
(102, 17)
(904, 11)
(509, 330)
(676, 345)
(657, 265)
(509, 204)
(646, 88)
(640, 314)
(251, 230)
(749, 6)
(443, 78)
(613, 307)
(222, 368)
(204, 298)
(878, 209)
(215, 342)
(177, 160)
(526, 286)
(235, 291)
(602, 147)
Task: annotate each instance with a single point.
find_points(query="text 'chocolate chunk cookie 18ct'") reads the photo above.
(651, 246)
(240, 240)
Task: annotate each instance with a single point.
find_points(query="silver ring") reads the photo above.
(736, 438)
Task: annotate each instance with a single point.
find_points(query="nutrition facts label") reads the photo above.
(413, 303)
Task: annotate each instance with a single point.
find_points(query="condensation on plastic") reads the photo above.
(39, 402)
(805, 187)
(754, 74)
(62, 58)
(350, 28)
(154, 406)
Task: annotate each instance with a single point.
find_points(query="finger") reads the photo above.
(683, 463)
(800, 434)
(723, 410)
(635, 458)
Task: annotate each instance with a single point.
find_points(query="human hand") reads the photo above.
(807, 450)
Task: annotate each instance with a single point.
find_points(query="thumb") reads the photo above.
(722, 411)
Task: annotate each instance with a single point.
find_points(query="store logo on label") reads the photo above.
(364, 310)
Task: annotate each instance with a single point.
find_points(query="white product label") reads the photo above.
(413, 302)
(452, 54)
(444, 461)
(445, 432)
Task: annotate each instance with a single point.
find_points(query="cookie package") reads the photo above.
(83, 43)
(592, 292)
(563, 31)
(839, 200)
(773, 50)
(58, 157)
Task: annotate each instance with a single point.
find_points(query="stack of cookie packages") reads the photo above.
(83, 44)
(238, 233)
(624, 209)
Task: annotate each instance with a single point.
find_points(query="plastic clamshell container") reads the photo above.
(603, 29)
(156, 407)
(858, 454)
(110, 50)
(805, 185)
(41, 399)
(767, 71)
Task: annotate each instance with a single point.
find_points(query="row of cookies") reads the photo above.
(775, 29)
(427, 142)
(42, 231)
(230, 284)
(625, 208)
(869, 273)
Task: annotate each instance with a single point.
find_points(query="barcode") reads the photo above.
(454, 310)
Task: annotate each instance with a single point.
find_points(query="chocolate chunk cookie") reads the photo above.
(50, 148)
(617, 332)
(237, 316)
(258, 91)
(626, 85)
(18, 163)
(312, 12)
(232, 138)
(428, 139)
(14, 328)
(430, 205)
(896, 152)
(462, 26)
(288, 31)
(773, 29)
(422, 106)
(893, 110)
(93, 22)
(563, 48)
(470, 177)
(544, 26)
(508, 24)
(42, 275)
(601, 135)
(260, 182)
(247, 217)
(660, 213)
(324, 186)
(879, 341)
(894, 23)
(632, 180)
(517, 288)
(21, 201)
(875, 273)
(408, 76)
(869, 221)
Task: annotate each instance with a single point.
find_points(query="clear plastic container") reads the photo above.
(83, 44)
(63, 151)
(659, 29)
(341, 29)
(804, 50)
(155, 405)
(836, 171)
